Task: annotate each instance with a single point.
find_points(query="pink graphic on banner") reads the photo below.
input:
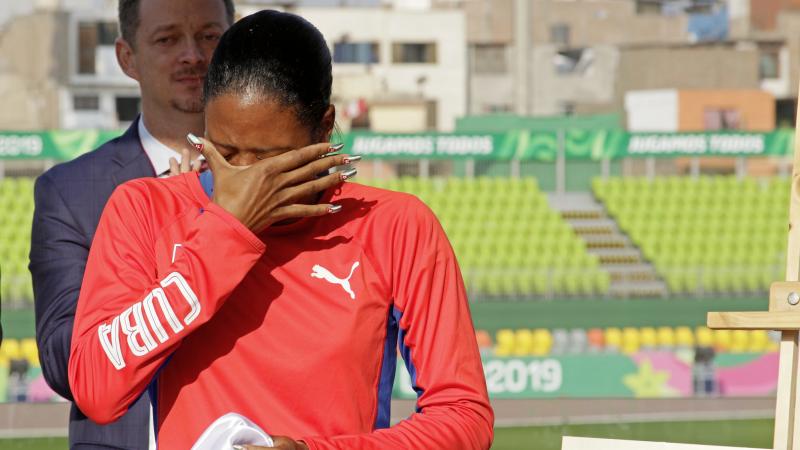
(757, 377)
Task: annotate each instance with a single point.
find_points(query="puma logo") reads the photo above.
(325, 274)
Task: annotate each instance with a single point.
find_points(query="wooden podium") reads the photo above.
(783, 315)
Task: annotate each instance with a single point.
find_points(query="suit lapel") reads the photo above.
(130, 157)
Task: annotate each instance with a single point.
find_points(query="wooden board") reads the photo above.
(582, 443)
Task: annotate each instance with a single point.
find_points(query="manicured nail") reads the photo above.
(327, 155)
(347, 174)
(337, 147)
(334, 209)
(352, 159)
(195, 141)
(238, 447)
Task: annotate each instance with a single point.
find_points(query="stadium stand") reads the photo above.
(508, 241)
(16, 202)
(726, 235)
(628, 340)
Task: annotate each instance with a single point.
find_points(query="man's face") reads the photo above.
(172, 49)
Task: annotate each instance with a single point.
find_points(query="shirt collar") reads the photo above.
(158, 153)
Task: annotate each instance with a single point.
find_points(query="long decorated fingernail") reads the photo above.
(238, 447)
(337, 147)
(347, 174)
(334, 209)
(352, 159)
(195, 141)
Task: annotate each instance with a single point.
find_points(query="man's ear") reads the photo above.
(125, 58)
(328, 122)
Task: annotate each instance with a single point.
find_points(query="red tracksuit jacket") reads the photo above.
(296, 329)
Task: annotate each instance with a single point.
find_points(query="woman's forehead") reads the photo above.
(240, 121)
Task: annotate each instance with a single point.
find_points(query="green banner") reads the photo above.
(562, 376)
(525, 145)
(494, 146)
(618, 144)
(646, 374)
(577, 144)
(59, 145)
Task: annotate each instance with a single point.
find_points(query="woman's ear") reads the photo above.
(328, 122)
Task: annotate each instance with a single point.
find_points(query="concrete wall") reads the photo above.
(686, 67)
(552, 91)
(689, 67)
(599, 25)
(491, 92)
(789, 28)
(739, 18)
(491, 86)
(594, 22)
(31, 62)
(764, 14)
(489, 21)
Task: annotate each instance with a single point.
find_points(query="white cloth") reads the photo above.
(229, 430)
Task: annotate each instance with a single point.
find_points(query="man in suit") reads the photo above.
(165, 45)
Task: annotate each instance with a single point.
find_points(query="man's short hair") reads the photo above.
(129, 18)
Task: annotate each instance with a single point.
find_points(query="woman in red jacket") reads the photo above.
(269, 287)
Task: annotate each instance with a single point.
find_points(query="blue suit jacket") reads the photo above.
(69, 199)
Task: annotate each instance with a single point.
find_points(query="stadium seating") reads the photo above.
(725, 235)
(628, 340)
(508, 240)
(20, 349)
(16, 202)
(709, 235)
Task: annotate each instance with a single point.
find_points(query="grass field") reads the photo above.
(493, 315)
(740, 433)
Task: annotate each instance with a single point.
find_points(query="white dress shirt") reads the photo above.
(158, 153)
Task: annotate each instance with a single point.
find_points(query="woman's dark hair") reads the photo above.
(277, 55)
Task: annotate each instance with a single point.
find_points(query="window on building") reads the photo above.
(702, 6)
(106, 33)
(86, 103)
(355, 52)
(498, 108)
(648, 7)
(87, 44)
(90, 36)
(575, 61)
(721, 119)
(769, 63)
(785, 112)
(559, 34)
(127, 108)
(490, 58)
(414, 53)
